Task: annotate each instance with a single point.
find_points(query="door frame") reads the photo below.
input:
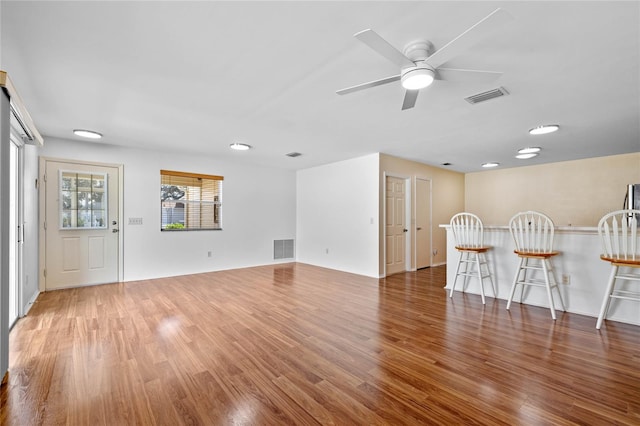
(19, 219)
(407, 220)
(42, 249)
(415, 224)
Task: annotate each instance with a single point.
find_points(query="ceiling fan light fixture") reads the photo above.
(89, 134)
(240, 146)
(417, 78)
(544, 129)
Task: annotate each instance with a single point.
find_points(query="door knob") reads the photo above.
(418, 229)
(114, 230)
(405, 230)
(113, 222)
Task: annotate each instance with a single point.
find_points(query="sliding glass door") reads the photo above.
(16, 229)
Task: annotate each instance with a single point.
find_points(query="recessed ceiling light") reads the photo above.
(87, 134)
(526, 156)
(529, 150)
(489, 165)
(543, 130)
(240, 146)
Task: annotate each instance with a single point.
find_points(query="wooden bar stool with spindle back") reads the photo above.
(532, 233)
(620, 236)
(468, 233)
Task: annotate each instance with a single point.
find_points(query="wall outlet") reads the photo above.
(566, 279)
(435, 252)
(326, 251)
(209, 254)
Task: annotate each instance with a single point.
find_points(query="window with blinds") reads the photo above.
(190, 201)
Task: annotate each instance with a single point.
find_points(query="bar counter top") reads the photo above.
(558, 229)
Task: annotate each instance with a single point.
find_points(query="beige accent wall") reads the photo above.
(576, 193)
(447, 199)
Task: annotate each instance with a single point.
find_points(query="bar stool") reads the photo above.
(620, 238)
(532, 233)
(468, 233)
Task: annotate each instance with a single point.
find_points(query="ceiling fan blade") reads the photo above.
(382, 46)
(470, 37)
(368, 85)
(472, 76)
(410, 97)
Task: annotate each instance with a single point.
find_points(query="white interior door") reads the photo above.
(81, 224)
(396, 231)
(423, 223)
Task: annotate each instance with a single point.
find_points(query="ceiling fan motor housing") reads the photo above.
(418, 50)
(422, 74)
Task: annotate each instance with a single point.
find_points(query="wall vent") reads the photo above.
(283, 249)
(486, 96)
(293, 154)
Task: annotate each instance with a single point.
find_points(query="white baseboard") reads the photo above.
(30, 303)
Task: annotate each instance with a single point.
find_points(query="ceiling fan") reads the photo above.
(419, 66)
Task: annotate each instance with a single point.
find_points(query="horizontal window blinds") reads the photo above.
(166, 174)
(190, 201)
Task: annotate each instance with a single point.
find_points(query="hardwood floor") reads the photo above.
(297, 344)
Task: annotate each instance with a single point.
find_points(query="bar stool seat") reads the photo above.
(532, 233)
(620, 238)
(468, 233)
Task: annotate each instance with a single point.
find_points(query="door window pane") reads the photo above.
(83, 200)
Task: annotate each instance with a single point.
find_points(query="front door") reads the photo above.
(423, 223)
(81, 224)
(395, 225)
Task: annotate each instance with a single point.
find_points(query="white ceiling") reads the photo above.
(197, 76)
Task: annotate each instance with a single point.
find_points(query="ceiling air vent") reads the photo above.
(293, 154)
(485, 96)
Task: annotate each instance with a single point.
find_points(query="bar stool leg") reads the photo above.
(555, 283)
(477, 256)
(457, 274)
(607, 296)
(486, 264)
(548, 285)
(515, 282)
(524, 263)
(466, 271)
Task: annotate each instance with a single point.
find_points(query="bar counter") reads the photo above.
(579, 261)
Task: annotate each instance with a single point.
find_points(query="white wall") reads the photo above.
(258, 207)
(337, 210)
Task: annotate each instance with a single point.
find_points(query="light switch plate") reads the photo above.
(135, 221)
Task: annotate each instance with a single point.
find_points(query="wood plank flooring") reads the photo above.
(298, 344)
